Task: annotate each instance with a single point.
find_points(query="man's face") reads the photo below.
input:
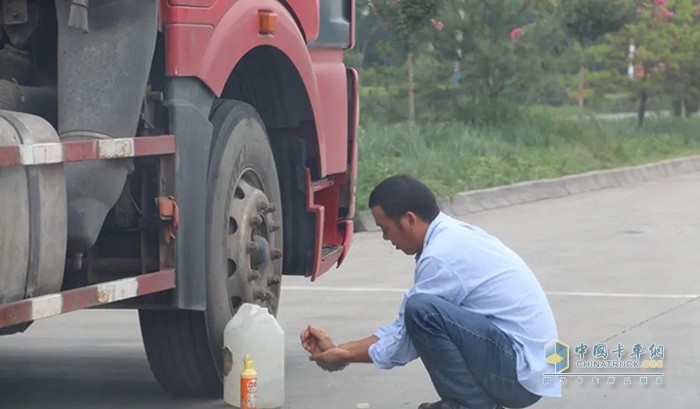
(400, 233)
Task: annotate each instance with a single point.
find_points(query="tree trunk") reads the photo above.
(683, 108)
(642, 108)
(411, 90)
(581, 86)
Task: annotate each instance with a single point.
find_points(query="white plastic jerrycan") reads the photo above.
(253, 331)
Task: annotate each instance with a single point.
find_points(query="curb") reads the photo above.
(474, 201)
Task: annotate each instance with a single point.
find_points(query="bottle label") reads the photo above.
(249, 393)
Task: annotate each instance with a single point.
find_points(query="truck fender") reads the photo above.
(211, 52)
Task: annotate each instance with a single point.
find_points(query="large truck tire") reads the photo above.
(244, 256)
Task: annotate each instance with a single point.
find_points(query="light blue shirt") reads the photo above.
(473, 269)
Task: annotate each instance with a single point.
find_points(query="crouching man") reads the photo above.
(476, 315)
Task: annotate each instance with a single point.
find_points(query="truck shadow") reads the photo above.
(49, 380)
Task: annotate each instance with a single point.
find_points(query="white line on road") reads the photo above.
(346, 289)
(560, 293)
(622, 295)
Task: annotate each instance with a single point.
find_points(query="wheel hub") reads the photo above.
(251, 275)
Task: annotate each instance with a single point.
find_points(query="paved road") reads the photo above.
(620, 266)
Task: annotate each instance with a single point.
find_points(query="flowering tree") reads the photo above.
(666, 59)
(496, 44)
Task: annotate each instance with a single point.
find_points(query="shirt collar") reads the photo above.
(431, 231)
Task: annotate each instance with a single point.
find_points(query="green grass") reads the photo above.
(454, 157)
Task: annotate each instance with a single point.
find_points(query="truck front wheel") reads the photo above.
(244, 256)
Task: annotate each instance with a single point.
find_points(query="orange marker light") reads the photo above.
(267, 21)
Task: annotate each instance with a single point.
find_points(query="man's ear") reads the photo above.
(412, 218)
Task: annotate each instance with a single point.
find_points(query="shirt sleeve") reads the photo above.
(394, 347)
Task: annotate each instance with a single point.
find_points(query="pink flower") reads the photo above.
(660, 2)
(666, 12)
(517, 32)
(437, 24)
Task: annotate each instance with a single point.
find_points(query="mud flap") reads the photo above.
(188, 103)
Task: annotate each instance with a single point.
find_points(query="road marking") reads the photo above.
(555, 293)
(345, 289)
(622, 295)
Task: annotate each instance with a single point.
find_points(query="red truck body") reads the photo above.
(182, 176)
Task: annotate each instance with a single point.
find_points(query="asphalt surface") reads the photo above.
(619, 266)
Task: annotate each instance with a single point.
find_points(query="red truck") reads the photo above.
(172, 156)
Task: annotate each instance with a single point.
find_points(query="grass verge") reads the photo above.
(452, 157)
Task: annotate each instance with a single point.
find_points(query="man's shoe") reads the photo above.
(441, 405)
(446, 405)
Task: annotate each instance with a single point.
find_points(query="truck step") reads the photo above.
(330, 254)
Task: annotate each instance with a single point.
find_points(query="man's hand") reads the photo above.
(315, 340)
(322, 349)
(334, 359)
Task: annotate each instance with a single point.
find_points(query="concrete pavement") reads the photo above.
(619, 265)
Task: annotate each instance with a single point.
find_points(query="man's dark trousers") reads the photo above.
(470, 361)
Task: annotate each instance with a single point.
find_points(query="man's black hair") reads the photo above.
(403, 193)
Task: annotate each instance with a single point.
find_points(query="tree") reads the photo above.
(374, 46)
(587, 21)
(682, 77)
(666, 57)
(405, 19)
(498, 46)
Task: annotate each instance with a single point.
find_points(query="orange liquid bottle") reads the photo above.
(249, 385)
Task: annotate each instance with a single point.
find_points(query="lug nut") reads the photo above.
(262, 295)
(256, 220)
(252, 247)
(266, 207)
(253, 276)
(275, 254)
(273, 281)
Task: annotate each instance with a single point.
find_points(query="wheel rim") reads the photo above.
(251, 273)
